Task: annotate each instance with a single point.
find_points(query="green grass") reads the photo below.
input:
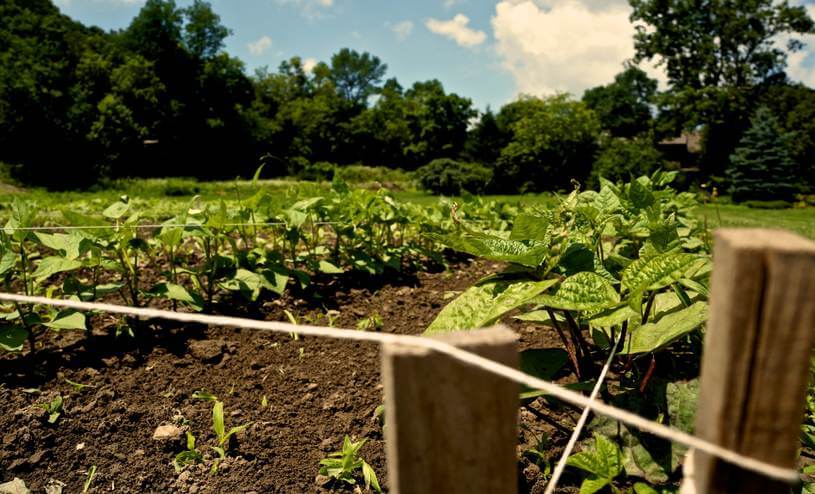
(800, 220)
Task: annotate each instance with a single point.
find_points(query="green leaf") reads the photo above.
(52, 265)
(70, 245)
(116, 210)
(218, 419)
(576, 258)
(529, 227)
(653, 273)
(543, 363)
(607, 201)
(593, 484)
(496, 248)
(583, 291)
(12, 337)
(328, 268)
(639, 195)
(682, 398)
(484, 303)
(67, 319)
(7, 262)
(614, 316)
(173, 291)
(656, 335)
(369, 476)
(604, 460)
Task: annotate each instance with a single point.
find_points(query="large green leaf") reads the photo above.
(682, 400)
(173, 291)
(496, 248)
(12, 337)
(52, 265)
(485, 302)
(604, 462)
(67, 319)
(614, 316)
(653, 273)
(576, 258)
(529, 227)
(607, 201)
(638, 461)
(583, 291)
(656, 335)
(70, 245)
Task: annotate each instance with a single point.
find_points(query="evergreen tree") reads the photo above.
(761, 167)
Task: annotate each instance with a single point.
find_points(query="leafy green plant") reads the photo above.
(89, 479)
(343, 465)
(603, 463)
(53, 407)
(189, 456)
(372, 322)
(221, 434)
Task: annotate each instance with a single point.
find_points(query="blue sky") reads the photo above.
(488, 50)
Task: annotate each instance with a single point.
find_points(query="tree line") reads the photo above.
(162, 97)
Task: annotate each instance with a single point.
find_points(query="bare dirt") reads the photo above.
(316, 391)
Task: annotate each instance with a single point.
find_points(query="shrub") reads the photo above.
(761, 168)
(451, 177)
(620, 159)
(355, 174)
(322, 171)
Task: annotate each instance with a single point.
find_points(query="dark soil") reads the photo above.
(317, 391)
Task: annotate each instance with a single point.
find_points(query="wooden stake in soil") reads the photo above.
(755, 367)
(450, 427)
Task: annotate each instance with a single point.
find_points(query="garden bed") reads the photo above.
(316, 391)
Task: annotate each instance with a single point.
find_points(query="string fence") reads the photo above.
(468, 358)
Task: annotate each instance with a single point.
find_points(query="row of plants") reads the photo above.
(628, 265)
(247, 247)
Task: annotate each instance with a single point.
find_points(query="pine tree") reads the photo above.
(761, 167)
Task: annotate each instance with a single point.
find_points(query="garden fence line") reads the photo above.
(466, 357)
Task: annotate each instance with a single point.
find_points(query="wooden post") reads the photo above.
(450, 427)
(755, 366)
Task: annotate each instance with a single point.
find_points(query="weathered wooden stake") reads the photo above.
(755, 366)
(450, 427)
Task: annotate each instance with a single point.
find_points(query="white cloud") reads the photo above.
(563, 45)
(801, 65)
(309, 8)
(401, 29)
(449, 4)
(260, 45)
(309, 64)
(458, 30)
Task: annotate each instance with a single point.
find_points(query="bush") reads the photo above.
(450, 177)
(620, 159)
(357, 174)
(322, 171)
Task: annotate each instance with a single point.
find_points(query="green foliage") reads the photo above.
(623, 159)
(189, 456)
(624, 106)
(343, 465)
(53, 407)
(453, 178)
(553, 140)
(761, 168)
(627, 259)
(603, 463)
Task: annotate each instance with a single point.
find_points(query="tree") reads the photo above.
(624, 106)
(203, 33)
(623, 159)
(356, 76)
(155, 33)
(711, 43)
(553, 141)
(486, 139)
(761, 168)
(438, 123)
(796, 103)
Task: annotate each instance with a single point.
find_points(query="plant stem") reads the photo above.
(569, 348)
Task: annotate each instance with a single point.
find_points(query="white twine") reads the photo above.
(563, 394)
(578, 429)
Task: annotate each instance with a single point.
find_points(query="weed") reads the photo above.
(343, 465)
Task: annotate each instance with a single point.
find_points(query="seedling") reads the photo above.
(189, 456)
(374, 322)
(223, 436)
(91, 474)
(78, 387)
(343, 465)
(54, 409)
(204, 395)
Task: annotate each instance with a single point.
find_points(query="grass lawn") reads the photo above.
(798, 220)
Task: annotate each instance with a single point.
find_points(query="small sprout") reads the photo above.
(32, 391)
(204, 395)
(374, 322)
(189, 456)
(302, 353)
(264, 402)
(54, 409)
(332, 316)
(91, 474)
(294, 336)
(223, 436)
(343, 465)
(78, 387)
